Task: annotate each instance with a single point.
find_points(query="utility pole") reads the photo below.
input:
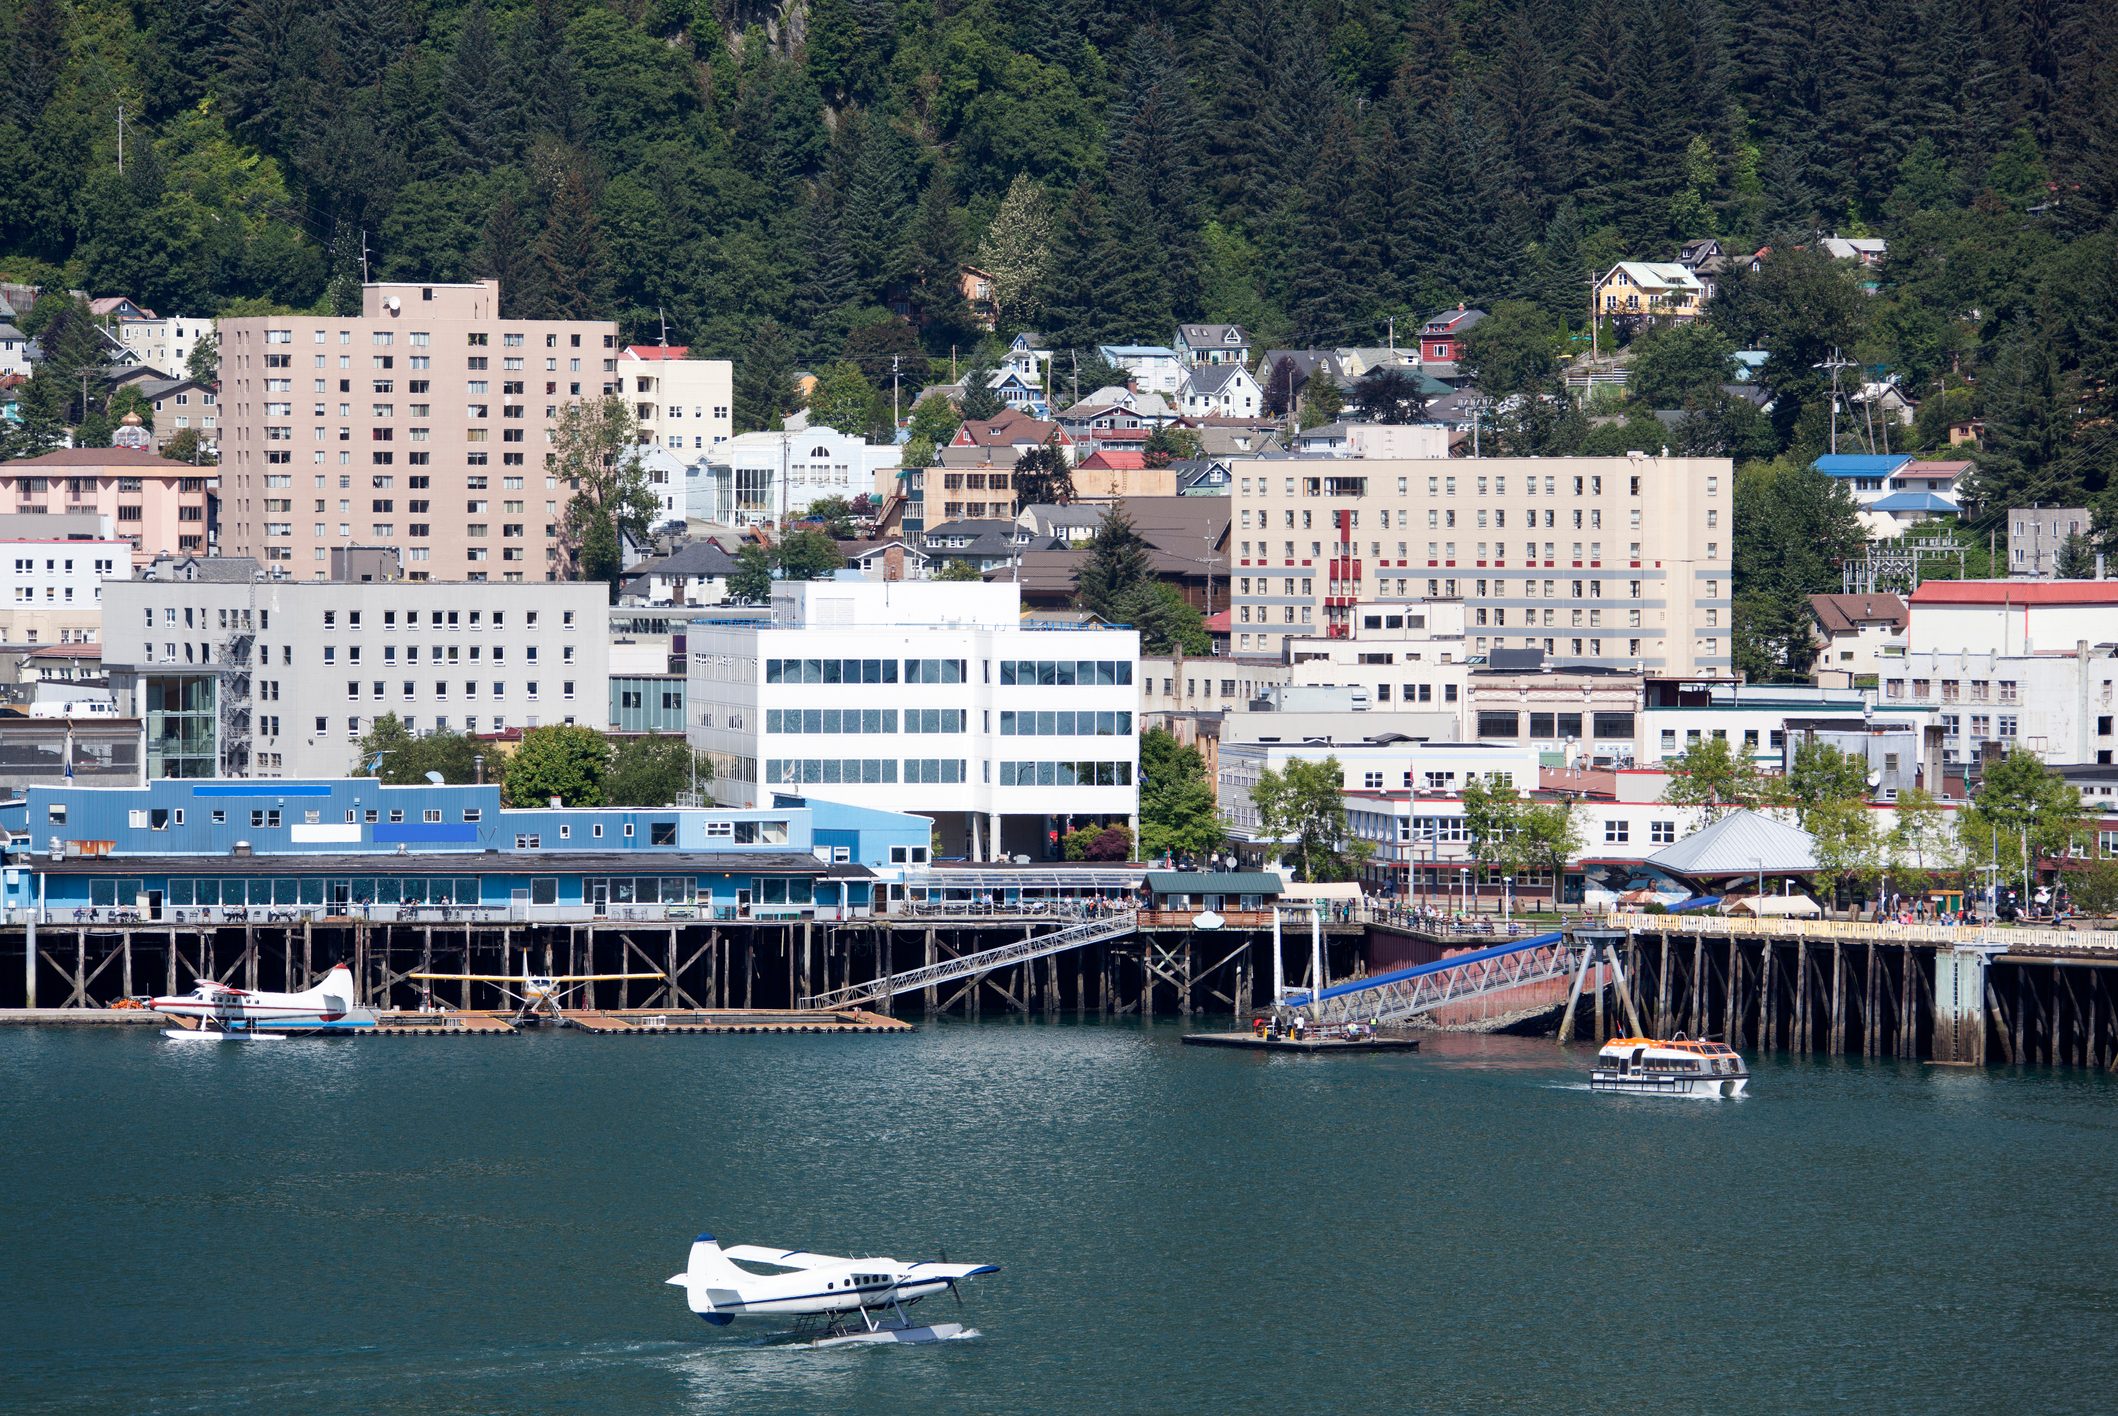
(1834, 363)
(1593, 352)
(664, 318)
(895, 415)
(121, 140)
(1393, 334)
(363, 255)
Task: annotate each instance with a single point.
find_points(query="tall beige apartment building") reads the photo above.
(1613, 561)
(425, 424)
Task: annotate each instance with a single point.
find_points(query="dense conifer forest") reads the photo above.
(798, 185)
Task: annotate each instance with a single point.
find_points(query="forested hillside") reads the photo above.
(771, 180)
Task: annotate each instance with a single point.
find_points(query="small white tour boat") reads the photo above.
(1677, 1067)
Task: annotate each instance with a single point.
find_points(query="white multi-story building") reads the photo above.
(927, 697)
(164, 342)
(51, 592)
(755, 479)
(252, 677)
(683, 405)
(1155, 368)
(1621, 562)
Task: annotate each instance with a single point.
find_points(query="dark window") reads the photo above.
(1499, 725)
(662, 833)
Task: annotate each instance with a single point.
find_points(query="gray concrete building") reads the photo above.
(279, 678)
(2036, 534)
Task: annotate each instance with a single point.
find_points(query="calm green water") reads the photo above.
(483, 1225)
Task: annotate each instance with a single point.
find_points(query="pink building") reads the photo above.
(161, 507)
(424, 424)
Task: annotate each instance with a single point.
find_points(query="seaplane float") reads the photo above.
(1680, 1066)
(228, 1014)
(832, 1300)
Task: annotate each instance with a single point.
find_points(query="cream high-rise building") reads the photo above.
(1617, 561)
(424, 424)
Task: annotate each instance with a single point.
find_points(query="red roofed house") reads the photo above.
(1112, 472)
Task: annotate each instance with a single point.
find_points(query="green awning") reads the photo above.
(1212, 882)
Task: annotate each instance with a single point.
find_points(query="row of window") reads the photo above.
(863, 720)
(1507, 723)
(831, 671)
(1065, 673)
(1065, 723)
(1066, 774)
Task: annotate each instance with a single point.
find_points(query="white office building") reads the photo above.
(279, 678)
(926, 697)
(51, 591)
(754, 479)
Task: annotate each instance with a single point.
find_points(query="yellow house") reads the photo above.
(1649, 290)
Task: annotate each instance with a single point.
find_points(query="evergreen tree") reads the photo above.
(505, 253)
(480, 116)
(573, 277)
(876, 210)
(1074, 302)
(1330, 280)
(934, 268)
(1116, 565)
(764, 378)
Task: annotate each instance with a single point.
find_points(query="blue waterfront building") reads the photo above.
(201, 851)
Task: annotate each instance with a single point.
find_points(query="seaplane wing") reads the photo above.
(783, 1258)
(928, 1273)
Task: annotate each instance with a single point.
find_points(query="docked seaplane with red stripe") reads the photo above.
(831, 1299)
(225, 1013)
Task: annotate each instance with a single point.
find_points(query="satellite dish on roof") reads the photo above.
(437, 779)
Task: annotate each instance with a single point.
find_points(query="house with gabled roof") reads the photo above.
(1154, 368)
(1650, 292)
(1212, 344)
(1220, 390)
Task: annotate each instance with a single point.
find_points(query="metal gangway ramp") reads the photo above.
(1093, 931)
(1404, 994)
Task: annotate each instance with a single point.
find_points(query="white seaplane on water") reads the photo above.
(853, 1300)
(229, 1014)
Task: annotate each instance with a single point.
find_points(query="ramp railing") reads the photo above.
(1094, 931)
(1404, 994)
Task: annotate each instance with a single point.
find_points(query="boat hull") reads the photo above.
(1669, 1084)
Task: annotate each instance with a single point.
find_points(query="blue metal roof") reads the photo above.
(1914, 501)
(1852, 464)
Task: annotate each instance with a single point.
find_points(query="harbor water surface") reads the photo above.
(399, 1225)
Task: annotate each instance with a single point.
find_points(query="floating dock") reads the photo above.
(1254, 1043)
(458, 1022)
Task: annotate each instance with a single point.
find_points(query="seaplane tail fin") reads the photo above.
(710, 1265)
(337, 982)
(710, 1272)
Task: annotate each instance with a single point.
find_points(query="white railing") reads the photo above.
(2016, 937)
(984, 961)
(1404, 999)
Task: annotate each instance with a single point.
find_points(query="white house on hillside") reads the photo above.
(1219, 391)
